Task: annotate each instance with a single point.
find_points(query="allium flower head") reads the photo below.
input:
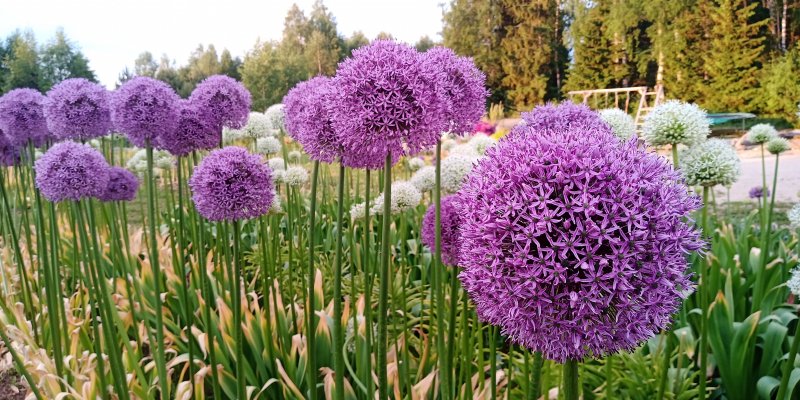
(145, 109)
(258, 126)
(464, 149)
(277, 118)
(232, 184)
(564, 116)
(295, 156)
(78, 109)
(295, 176)
(675, 123)
(454, 169)
(225, 100)
(9, 154)
(481, 143)
(22, 117)
(424, 179)
(710, 163)
(386, 103)
(71, 171)
(794, 216)
(573, 243)
(778, 145)
(405, 196)
(622, 124)
(761, 133)
(194, 131)
(450, 222)
(415, 163)
(464, 86)
(757, 192)
(122, 185)
(308, 120)
(794, 282)
(276, 164)
(358, 211)
(268, 145)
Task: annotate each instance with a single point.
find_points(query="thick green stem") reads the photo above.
(765, 233)
(438, 281)
(701, 284)
(338, 332)
(238, 311)
(493, 361)
(666, 361)
(310, 317)
(383, 294)
(570, 380)
(160, 357)
(536, 379)
(788, 366)
(187, 307)
(675, 156)
(368, 276)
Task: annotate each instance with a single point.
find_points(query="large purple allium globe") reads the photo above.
(308, 120)
(573, 243)
(122, 185)
(144, 109)
(232, 184)
(71, 171)
(564, 117)
(194, 131)
(22, 117)
(464, 86)
(450, 222)
(78, 109)
(225, 100)
(9, 154)
(386, 103)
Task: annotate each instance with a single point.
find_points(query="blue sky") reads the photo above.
(112, 33)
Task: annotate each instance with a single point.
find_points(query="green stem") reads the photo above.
(788, 366)
(368, 276)
(765, 235)
(570, 379)
(441, 349)
(609, 367)
(383, 294)
(338, 332)
(701, 284)
(666, 361)
(493, 361)
(675, 156)
(238, 310)
(310, 319)
(181, 270)
(536, 384)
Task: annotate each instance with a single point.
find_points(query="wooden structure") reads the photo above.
(622, 98)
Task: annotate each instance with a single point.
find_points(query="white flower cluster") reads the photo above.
(424, 179)
(277, 118)
(761, 133)
(275, 207)
(278, 167)
(268, 145)
(295, 176)
(778, 145)
(675, 122)
(229, 136)
(794, 216)
(295, 156)
(481, 143)
(405, 196)
(414, 164)
(622, 124)
(464, 149)
(162, 160)
(358, 211)
(794, 282)
(713, 162)
(258, 126)
(454, 169)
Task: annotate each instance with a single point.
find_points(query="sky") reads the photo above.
(112, 33)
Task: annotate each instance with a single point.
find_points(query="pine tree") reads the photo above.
(780, 88)
(679, 46)
(591, 49)
(734, 57)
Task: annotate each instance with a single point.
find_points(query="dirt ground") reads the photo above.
(11, 387)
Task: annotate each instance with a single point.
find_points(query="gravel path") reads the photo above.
(788, 178)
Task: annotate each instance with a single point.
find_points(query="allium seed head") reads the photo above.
(405, 196)
(761, 133)
(622, 124)
(710, 163)
(454, 169)
(778, 145)
(268, 145)
(674, 123)
(424, 179)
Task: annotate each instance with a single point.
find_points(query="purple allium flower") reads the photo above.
(194, 131)
(464, 85)
(450, 222)
(573, 243)
(563, 117)
(22, 117)
(224, 99)
(232, 184)
(78, 109)
(386, 103)
(122, 185)
(144, 109)
(308, 120)
(9, 154)
(484, 127)
(757, 192)
(71, 171)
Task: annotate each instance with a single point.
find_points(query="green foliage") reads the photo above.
(424, 43)
(780, 87)
(21, 66)
(60, 60)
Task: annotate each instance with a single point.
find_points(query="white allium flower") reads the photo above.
(277, 118)
(405, 196)
(295, 176)
(95, 143)
(448, 144)
(622, 124)
(675, 122)
(713, 162)
(794, 216)
(454, 169)
(276, 164)
(481, 142)
(794, 282)
(258, 126)
(414, 164)
(465, 149)
(778, 145)
(295, 156)
(761, 133)
(231, 135)
(162, 160)
(268, 145)
(358, 211)
(275, 207)
(425, 178)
